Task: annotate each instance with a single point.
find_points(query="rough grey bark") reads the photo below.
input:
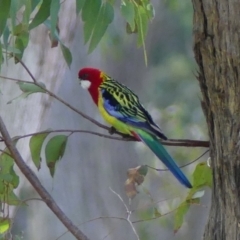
(217, 52)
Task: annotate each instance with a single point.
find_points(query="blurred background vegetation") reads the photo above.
(168, 89)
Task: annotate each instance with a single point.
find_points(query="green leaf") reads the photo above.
(143, 170)
(35, 145)
(12, 50)
(21, 43)
(13, 11)
(42, 14)
(179, 215)
(27, 12)
(202, 176)
(127, 11)
(4, 11)
(20, 46)
(54, 151)
(1, 56)
(181, 212)
(142, 25)
(7, 172)
(10, 197)
(35, 3)
(6, 177)
(90, 9)
(105, 17)
(65, 51)
(6, 35)
(4, 225)
(31, 87)
(20, 29)
(66, 54)
(54, 9)
(90, 12)
(79, 5)
(150, 11)
(28, 89)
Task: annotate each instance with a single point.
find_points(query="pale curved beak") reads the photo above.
(85, 84)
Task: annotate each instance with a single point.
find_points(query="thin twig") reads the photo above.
(91, 220)
(4, 152)
(28, 173)
(162, 170)
(173, 142)
(71, 131)
(18, 207)
(14, 79)
(128, 213)
(26, 68)
(154, 218)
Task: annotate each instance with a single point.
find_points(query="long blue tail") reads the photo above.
(163, 155)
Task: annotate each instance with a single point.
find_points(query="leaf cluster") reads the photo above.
(19, 17)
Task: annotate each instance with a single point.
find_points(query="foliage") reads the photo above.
(95, 14)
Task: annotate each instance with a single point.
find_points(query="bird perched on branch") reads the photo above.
(121, 108)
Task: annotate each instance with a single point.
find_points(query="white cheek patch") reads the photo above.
(85, 84)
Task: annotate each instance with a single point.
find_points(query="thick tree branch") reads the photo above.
(37, 185)
(169, 142)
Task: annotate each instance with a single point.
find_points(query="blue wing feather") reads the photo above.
(132, 114)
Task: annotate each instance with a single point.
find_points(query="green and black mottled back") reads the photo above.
(125, 102)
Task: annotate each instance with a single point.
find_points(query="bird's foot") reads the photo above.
(128, 137)
(112, 130)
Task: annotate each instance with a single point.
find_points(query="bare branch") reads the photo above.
(170, 142)
(185, 143)
(14, 79)
(91, 220)
(153, 218)
(71, 131)
(162, 170)
(27, 69)
(129, 212)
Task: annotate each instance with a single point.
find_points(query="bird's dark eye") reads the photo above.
(85, 76)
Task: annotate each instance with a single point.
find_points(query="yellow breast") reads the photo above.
(118, 125)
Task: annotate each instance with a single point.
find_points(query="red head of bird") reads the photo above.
(91, 78)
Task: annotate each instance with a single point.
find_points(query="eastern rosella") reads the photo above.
(121, 108)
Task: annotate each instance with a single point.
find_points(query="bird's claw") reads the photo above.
(112, 130)
(127, 137)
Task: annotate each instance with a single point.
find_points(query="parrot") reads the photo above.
(120, 107)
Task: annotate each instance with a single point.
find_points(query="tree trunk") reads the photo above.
(217, 52)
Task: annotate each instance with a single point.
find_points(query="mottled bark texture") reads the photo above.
(217, 52)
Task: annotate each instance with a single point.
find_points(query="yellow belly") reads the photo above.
(118, 125)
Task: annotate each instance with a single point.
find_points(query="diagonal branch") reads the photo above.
(38, 186)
